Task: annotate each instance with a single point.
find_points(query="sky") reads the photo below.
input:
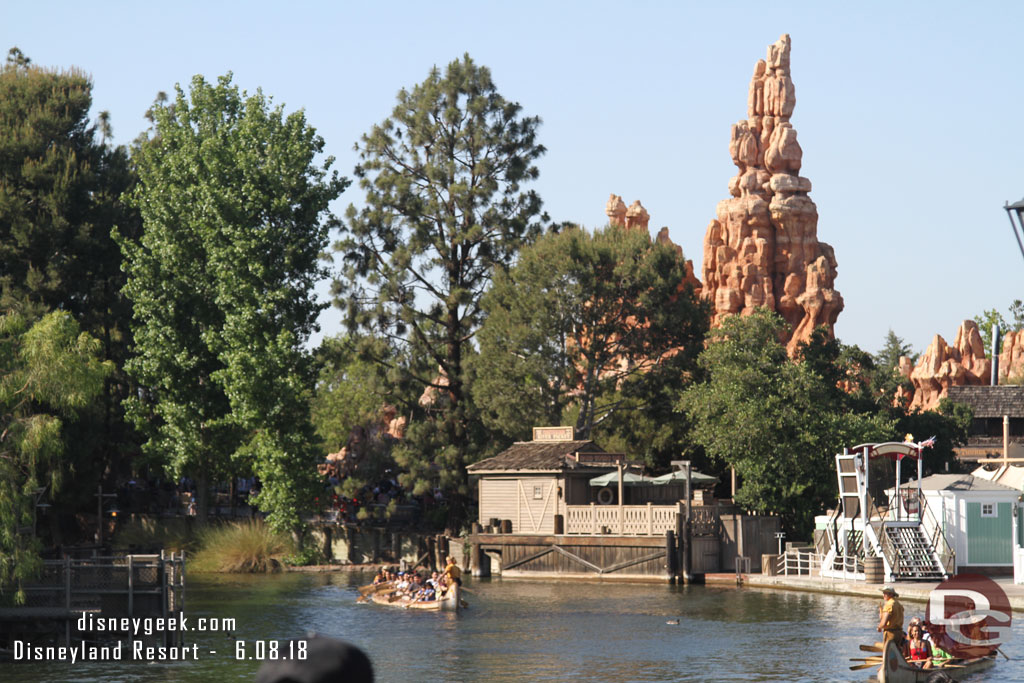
(909, 114)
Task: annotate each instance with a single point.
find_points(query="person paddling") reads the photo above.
(890, 617)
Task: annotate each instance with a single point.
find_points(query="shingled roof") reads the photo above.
(540, 455)
(989, 401)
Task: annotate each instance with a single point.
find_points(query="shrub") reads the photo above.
(242, 547)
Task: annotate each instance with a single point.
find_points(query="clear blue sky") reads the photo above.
(909, 114)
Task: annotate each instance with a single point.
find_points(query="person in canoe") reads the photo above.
(452, 573)
(890, 617)
(917, 650)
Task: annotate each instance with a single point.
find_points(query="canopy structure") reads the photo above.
(894, 450)
(628, 479)
(679, 477)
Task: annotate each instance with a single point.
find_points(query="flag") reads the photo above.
(927, 443)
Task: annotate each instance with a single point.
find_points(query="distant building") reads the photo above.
(990, 404)
(980, 519)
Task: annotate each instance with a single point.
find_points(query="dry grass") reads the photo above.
(242, 547)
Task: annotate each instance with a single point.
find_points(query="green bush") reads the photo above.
(242, 547)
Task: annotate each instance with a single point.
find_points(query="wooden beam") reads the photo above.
(630, 563)
(577, 558)
(528, 558)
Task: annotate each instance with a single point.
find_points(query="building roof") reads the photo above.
(544, 455)
(1008, 475)
(959, 482)
(989, 401)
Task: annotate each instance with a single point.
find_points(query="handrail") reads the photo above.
(798, 562)
(947, 556)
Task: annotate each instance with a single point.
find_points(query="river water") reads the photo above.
(519, 630)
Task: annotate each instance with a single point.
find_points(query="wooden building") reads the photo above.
(997, 429)
(559, 506)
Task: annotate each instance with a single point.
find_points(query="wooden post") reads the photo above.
(671, 555)
(650, 519)
(619, 463)
(431, 552)
(593, 519)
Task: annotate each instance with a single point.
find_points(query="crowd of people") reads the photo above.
(418, 585)
(916, 645)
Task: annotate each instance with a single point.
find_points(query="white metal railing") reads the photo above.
(627, 520)
(799, 562)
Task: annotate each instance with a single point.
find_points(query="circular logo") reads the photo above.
(968, 616)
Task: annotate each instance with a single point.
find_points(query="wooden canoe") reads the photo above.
(449, 602)
(897, 670)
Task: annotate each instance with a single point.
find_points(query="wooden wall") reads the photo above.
(591, 557)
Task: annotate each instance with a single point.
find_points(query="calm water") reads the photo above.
(532, 631)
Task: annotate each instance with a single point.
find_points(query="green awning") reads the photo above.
(679, 477)
(628, 479)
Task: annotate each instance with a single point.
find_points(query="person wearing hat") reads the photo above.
(890, 616)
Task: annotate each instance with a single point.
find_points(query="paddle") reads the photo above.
(876, 660)
(858, 667)
(870, 648)
(1000, 651)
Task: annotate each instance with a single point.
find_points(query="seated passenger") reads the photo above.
(916, 649)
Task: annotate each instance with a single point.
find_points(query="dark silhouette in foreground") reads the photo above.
(328, 661)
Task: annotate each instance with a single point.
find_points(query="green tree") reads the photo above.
(888, 358)
(60, 189)
(600, 323)
(349, 390)
(778, 421)
(234, 209)
(48, 372)
(444, 209)
(988, 320)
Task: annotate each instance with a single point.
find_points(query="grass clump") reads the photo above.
(242, 547)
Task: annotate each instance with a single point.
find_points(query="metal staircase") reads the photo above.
(912, 547)
(911, 554)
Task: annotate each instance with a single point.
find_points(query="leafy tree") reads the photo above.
(48, 372)
(1017, 313)
(222, 280)
(602, 323)
(444, 209)
(778, 421)
(348, 391)
(60, 189)
(986, 322)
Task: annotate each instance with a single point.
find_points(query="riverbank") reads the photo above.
(912, 591)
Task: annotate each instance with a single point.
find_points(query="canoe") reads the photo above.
(449, 602)
(898, 670)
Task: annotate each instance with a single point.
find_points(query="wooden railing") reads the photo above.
(625, 520)
(799, 562)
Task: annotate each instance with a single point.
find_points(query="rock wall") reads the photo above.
(762, 249)
(1011, 358)
(942, 366)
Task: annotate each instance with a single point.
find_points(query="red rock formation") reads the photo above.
(1011, 358)
(763, 248)
(943, 366)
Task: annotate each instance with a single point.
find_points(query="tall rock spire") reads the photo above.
(762, 249)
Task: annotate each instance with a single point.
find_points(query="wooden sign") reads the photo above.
(554, 433)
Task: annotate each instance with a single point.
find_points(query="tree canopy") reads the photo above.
(235, 216)
(60, 195)
(778, 421)
(586, 323)
(444, 208)
(48, 371)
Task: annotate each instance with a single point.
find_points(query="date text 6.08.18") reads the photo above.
(263, 650)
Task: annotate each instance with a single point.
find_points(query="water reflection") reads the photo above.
(534, 631)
